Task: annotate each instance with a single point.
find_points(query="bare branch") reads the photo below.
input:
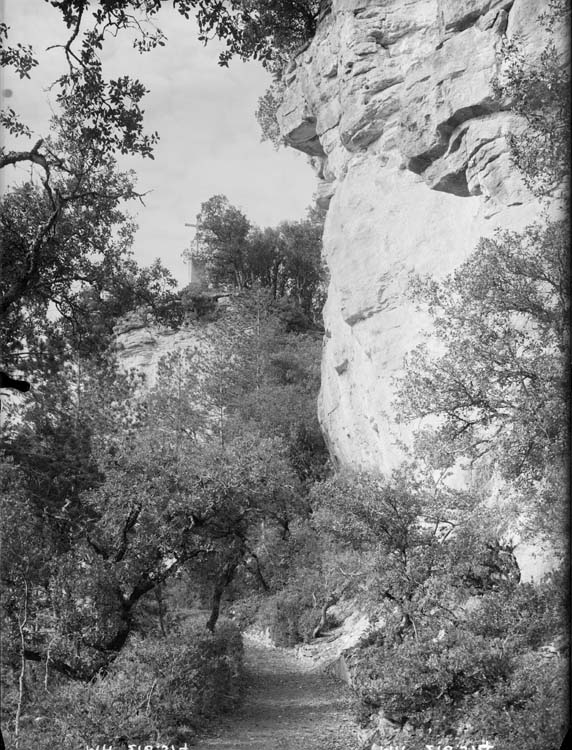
(13, 157)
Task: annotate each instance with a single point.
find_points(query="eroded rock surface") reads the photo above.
(140, 344)
(393, 101)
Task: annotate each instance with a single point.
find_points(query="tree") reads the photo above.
(122, 492)
(69, 211)
(48, 463)
(284, 404)
(402, 531)
(258, 371)
(303, 272)
(174, 405)
(265, 30)
(222, 236)
(540, 93)
(455, 631)
(285, 259)
(265, 259)
(108, 113)
(66, 250)
(500, 389)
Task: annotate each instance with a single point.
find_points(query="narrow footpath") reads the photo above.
(289, 705)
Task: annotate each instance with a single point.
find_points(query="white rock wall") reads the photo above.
(393, 101)
(140, 345)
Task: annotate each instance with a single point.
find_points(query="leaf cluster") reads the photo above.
(286, 260)
(539, 92)
(455, 631)
(498, 390)
(168, 688)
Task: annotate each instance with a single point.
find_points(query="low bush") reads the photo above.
(530, 710)
(425, 680)
(286, 615)
(493, 673)
(158, 690)
(292, 614)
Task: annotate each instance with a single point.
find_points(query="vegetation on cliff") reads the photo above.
(283, 260)
(500, 388)
(132, 521)
(463, 649)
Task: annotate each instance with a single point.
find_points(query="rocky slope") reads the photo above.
(393, 102)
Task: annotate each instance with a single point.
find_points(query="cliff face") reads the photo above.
(393, 101)
(140, 344)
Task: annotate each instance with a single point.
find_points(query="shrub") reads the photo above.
(487, 675)
(157, 690)
(268, 105)
(425, 680)
(293, 613)
(196, 301)
(530, 710)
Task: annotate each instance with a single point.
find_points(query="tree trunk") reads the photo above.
(221, 583)
(332, 599)
(159, 600)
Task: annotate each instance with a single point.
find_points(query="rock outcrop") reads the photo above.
(140, 344)
(393, 102)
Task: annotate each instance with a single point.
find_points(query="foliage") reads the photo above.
(303, 273)
(455, 629)
(499, 389)
(265, 30)
(283, 403)
(540, 93)
(268, 105)
(49, 463)
(108, 113)
(222, 233)
(418, 544)
(292, 615)
(158, 690)
(531, 708)
(122, 490)
(285, 260)
(66, 257)
(195, 301)
(489, 675)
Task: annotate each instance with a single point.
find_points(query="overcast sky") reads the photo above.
(210, 140)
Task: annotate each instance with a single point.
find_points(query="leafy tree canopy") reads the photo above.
(500, 390)
(285, 259)
(108, 112)
(67, 268)
(539, 91)
(494, 386)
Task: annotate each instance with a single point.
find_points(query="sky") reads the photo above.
(204, 114)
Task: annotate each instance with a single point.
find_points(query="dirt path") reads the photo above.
(289, 705)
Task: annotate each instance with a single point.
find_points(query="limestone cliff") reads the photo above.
(392, 100)
(140, 344)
